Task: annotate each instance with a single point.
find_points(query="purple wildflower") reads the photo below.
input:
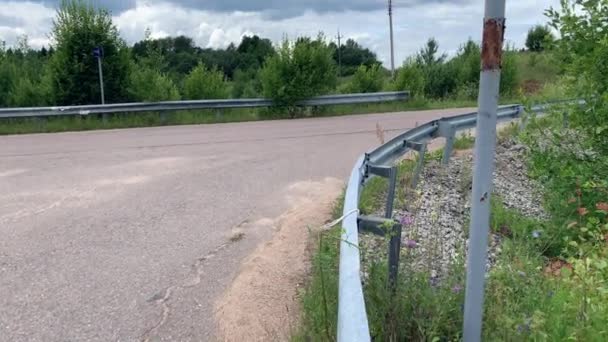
(411, 244)
(407, 220)
(521, 273)
(457, 288)
(550, 294)
(536, 234)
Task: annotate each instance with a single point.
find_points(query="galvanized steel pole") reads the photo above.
(485, 145)
(390, 19)
(103, 97)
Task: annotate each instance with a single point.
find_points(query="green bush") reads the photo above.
(367, 80)
(298, 71)
(204, 83)
(509, 76)
(246, 84)
(584, 51)
(410, 77)
(150, 85)
(539, 38)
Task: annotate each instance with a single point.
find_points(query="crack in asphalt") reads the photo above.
(162, 298)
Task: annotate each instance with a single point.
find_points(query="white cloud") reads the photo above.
(450, 22)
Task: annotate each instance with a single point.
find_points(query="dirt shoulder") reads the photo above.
(262, 302)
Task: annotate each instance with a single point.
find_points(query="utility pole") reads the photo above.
(485, 144)
(390, 20)
(339, 54)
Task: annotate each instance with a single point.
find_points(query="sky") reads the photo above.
(217, 23)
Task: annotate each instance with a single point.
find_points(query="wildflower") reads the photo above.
(407, 220)
(603, 206)
(521, 273)
(411, 244)
(456, 289)
(582, 211)
(550, 294)
(536, 234)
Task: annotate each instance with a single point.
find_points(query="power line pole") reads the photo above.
(339, 54)
(390, 19)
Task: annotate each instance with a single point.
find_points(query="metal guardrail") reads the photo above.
(352, 317)
(9, 113)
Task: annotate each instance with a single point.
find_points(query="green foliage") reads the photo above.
(464, 142)
(78, 29)
(583, 48)
(410, 77)
(300, 70)
(509, 76)
(352, 55)
(246, 84)
(203, 83)
(367, 80)
(539, 39)
(150, 85)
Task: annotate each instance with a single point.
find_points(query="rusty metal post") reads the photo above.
(485, 145)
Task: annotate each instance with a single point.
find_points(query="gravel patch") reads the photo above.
(436, 219)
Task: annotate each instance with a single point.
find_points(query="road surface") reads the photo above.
(97, 226)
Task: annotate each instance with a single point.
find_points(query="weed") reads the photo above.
(464, 141)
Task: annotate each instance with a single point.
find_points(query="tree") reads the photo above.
(203, 83)
(78, 29)
(428, 54)
(298, 71)
(149, 85)
(353, 55)
(367, 80)
(253, 51)
(539, 38)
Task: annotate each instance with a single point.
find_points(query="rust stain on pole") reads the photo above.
(491, 52)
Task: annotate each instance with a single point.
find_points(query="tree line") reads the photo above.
(175, 68)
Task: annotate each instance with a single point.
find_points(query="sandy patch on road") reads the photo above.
(262, 303)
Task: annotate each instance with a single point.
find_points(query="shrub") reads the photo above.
(150, 85)
(411, 78)
(298, 71)
(204, 83)
(366, 80)
(539, 38)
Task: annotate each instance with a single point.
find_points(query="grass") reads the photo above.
(464, 141)
(320, 297)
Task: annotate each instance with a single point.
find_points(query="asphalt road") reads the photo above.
(95, 227)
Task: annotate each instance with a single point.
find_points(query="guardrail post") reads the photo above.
(394, 245)
(104, 118)
(448, 131)
(392, 184)
(485, 144)
(421, 148)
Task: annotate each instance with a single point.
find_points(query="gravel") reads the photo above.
(438, 216)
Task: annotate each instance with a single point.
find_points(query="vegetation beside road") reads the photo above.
(550, 279)
(173, 68)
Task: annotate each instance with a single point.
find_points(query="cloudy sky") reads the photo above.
(217, 23)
